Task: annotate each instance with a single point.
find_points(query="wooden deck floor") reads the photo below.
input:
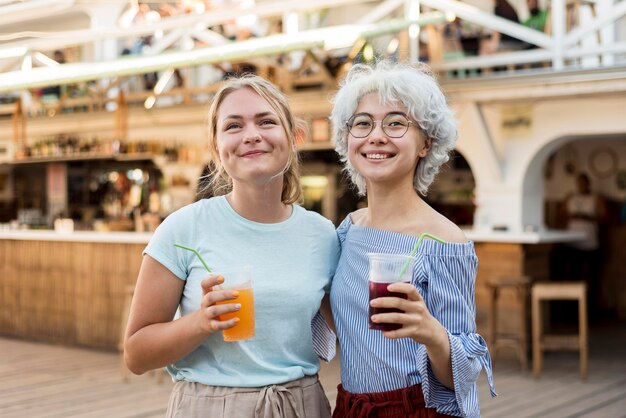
(560, 392)
(47, 381)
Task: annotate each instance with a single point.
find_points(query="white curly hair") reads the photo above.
(416, 88)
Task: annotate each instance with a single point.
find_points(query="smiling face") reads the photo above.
(380, 158)
(251, 140)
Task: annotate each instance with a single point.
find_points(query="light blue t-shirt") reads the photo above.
(293, 263)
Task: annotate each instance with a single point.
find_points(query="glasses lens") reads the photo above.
(360, 126)
(395, 125)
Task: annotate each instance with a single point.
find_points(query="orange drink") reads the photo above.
(245, 327)
(239, 279)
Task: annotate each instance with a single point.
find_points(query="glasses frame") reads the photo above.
(375, 122)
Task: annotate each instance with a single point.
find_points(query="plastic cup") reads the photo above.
(239, 279)
(384, 270)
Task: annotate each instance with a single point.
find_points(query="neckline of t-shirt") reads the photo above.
(232, 213)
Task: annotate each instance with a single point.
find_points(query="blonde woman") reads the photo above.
(293, 253)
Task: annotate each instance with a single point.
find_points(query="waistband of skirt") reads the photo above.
(413, 393)
(202, 390)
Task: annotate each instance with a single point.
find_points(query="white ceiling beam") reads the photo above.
(526, 57)
(165, 42)
(14, 52)
(10, 64)
(615, 48)
(70, 73)
(59, 40)
(256, 47)
(32, 9)
(209, 37)
(610, 16)
(381, 11)
(501, 59)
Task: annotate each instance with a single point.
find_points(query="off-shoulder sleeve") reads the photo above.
(446, 276)
(324, 339)
(342, 229)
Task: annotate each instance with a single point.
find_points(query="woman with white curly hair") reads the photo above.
(394, 130)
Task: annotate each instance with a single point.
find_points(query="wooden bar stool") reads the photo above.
(498, 339)
(543, 342)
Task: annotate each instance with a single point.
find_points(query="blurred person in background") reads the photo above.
(584, 211)
(501, 42)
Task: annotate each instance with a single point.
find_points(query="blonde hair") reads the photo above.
(219, 181)
(416, 88)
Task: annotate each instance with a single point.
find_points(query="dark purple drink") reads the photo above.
(379, 290)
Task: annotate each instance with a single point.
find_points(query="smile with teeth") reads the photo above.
(377, 156)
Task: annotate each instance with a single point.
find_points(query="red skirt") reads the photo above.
(402, 403)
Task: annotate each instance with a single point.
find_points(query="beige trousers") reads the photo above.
(302, 398)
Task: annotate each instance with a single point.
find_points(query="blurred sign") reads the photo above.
(516, 122)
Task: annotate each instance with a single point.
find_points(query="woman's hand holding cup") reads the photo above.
(210, 311)
(411, 313)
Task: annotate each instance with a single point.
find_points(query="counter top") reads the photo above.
(531, 237)
(538, 237)
(77, 236)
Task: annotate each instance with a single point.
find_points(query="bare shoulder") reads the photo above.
(358, 216)
(447, 230)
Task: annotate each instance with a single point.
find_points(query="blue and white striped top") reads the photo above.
(445, 275)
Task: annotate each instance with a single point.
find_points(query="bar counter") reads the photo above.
(67, 287)
(71, 287)
(77, 236)
(512, 254)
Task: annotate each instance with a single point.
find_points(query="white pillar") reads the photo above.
(609, 32)
(497, 207)
(104, 15)
(558, 32)
(412, 12)
(291, 25)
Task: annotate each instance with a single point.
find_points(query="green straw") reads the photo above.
(196, 253)
(417, 244)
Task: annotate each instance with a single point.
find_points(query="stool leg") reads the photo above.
(537, 353)
(582, 335)
(523, 341)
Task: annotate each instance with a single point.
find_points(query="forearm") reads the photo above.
(160, 344)
(439, 354)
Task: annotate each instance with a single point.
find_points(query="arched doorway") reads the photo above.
(552, 176)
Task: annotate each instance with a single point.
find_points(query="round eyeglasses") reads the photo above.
(394, 125)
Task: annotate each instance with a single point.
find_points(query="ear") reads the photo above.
(424, 151)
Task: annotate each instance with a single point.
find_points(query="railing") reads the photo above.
(568, 45)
